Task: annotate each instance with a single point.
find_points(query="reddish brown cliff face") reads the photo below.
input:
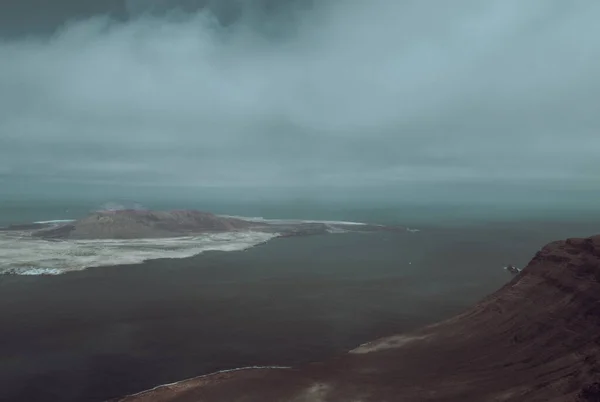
(535, 339)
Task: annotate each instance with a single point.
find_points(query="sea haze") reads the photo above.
(470, 122)
(385, 101)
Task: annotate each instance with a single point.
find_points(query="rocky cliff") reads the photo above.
(535, 339)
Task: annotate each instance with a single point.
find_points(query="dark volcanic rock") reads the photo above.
(535, 339)
(590, 393)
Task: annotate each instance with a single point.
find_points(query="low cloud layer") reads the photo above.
(378, 94)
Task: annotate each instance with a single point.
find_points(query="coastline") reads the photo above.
(176, 383)
(126, 236)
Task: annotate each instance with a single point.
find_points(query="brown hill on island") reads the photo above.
(535, 339)
(131, 223)
(136, 224)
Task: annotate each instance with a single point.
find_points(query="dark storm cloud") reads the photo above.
(351, 94)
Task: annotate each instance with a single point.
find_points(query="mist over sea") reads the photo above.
(472, 123)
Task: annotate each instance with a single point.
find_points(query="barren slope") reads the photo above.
(143, 223)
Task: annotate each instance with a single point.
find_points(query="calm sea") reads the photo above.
(110, 331)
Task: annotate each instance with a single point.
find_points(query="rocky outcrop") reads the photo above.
(535, 339)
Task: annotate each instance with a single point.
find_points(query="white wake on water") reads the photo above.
(292, 221)
(158, 387)
(55, 222)
(332, 226)
(23, 255)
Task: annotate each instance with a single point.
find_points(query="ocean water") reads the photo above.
(103, 332)
(98, 333)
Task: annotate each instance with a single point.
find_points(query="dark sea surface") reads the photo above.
(105, 332)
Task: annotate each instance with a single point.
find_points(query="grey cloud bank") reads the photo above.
(387, 97)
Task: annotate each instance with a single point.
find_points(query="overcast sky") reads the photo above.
(378, 94)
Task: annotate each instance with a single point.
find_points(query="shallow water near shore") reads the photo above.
(110, 331)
